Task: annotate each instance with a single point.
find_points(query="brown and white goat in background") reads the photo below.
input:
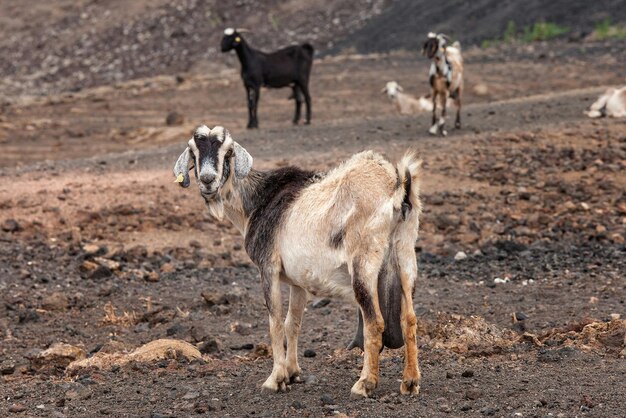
(405, 103)
(348, 233)
(446, 78)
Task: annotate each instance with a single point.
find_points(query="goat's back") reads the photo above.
(288, 65)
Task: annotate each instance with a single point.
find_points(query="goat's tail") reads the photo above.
(308, 48)
(406, 197)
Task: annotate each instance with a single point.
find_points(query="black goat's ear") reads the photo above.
(182, 167)
(243, 161)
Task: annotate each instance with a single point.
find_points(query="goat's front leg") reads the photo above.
(433, 126)
(297, 302)
(442, 120)
(365, 284)
(279, 378)
(253, 99)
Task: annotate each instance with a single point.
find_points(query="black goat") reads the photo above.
(290, 66)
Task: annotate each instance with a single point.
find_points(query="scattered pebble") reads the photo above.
(467, 373)
(460, 256)
(309, 353)
(17, 408)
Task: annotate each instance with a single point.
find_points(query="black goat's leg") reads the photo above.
(251, 104)
(257, 96)
(297, 96)
(307, 98)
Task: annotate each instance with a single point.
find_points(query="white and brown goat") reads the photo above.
(446, 78)
(347, 233)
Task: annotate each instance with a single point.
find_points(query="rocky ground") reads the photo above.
(521, 254)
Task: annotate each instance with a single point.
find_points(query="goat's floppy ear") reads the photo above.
(182, 167)
(384, 90)
(399, 88)
(243, 161)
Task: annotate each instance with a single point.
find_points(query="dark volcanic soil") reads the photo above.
(522, 286)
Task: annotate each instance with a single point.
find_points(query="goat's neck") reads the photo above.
(440, 63)
(245, 54)
(239, 199)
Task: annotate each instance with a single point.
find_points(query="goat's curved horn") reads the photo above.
(243, 30)
(446, 37)
(182, 167)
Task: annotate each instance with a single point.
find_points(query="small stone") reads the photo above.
(320, 303)
(7, 367)
(600, 229)
(327, 400)
(191, 395)
(468, 373)
(94, 249)
(16, 408)
(11, 225)
(473, 394)
(443, 405)
(488, 411)
(465, 407)
(242, 328)
(311, 380)
(174, 119)
(58, 355)
(449, 375)
(55, 302)
(460, 256)
(167, 268)
(297, 405)
(152, 276)
(309, 353)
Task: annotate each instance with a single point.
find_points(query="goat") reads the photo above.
(405, 103)
(348, 233)
(612, 103)
(290, 66)
(446, 78)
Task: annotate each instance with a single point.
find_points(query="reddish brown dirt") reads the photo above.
(530, 189)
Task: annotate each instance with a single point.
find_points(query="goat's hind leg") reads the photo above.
(297, 96)
(279, 378)
(408, 275)
(297, 303)
(365, 283)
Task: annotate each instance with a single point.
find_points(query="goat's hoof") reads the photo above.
(308, 122)
(410, 387)
(457, 125)
(443, 132)
(273, 386)
(363, 388)
(433, 130)
(295, 379)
